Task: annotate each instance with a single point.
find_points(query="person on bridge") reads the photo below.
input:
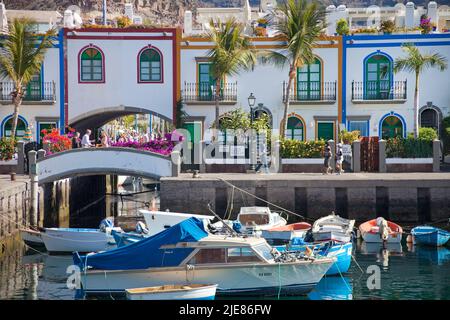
(76, 141)
(85, 141)
(104, 141)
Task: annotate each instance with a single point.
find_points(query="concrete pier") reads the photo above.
(402, 197)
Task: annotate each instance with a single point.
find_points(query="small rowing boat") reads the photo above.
(174, 292)
(32, 237)
(333, 227)
(430, 236)
(381, 230)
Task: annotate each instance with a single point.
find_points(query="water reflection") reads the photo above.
(381, 251)
(333, 288)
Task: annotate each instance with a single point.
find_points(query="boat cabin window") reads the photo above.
(242, 255)
(222, 255)
(264, 250)
(204, 256)
(254, 219)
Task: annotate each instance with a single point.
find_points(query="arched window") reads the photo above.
(295, 129)
(378, 77)
(309, 79)
(20, 130)
(92, 65)
(150, 66)
(392, 127)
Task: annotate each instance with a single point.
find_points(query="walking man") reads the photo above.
(339, 159)
(327, 158)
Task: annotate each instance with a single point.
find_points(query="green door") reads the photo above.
(378, 73)
(392, 127)
(205, 82)
(325, 131)
(195, 132)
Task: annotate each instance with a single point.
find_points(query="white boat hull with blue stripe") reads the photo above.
(174, 292)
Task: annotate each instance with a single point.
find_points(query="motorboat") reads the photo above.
(430, 236)
(174, 292)
(157, 221)
(68, 240)
(342, 251)
(380, 230)
(186, 253)
(333, 227)
(287, 232)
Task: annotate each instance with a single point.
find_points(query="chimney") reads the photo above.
(433, 13)
(331, 19)
(187, 23)
(409, 15)
(129, 10)
(68, 19)
(3, 19)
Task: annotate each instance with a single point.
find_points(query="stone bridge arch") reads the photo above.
(104, 161)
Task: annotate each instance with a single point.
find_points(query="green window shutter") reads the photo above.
(91, 65)
(20, 130)
(378, 72)
(295, 129)
(150, 66)
(309, 78)
(33, 90)
(325, 131)
(205, 82)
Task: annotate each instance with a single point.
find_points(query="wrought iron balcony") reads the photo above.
(205, 93)
(34, 92)
(311, 92)
(384, 90)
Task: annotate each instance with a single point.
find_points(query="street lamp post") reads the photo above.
(251, 103)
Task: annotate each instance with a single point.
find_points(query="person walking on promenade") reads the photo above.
(339, 159)
(85, 141)
(327, 158)
(104, 142)
(76, 141)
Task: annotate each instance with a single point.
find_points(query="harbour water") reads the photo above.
(406, 271)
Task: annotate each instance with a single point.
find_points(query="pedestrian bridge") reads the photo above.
(104, 161)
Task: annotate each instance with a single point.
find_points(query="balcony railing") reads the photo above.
(311, 92)
(379, 90)
(34, 91)
(206, 92)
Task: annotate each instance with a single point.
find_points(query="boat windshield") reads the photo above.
(264, 250)
(249, 219)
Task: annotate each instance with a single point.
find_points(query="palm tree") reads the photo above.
(232, 52)
(300, 23)
(21, 57)
(416, 62)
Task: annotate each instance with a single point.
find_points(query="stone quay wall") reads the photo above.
(412, 197)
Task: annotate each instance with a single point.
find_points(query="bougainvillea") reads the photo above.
(7, 147)
(55, 142)
(162, 146)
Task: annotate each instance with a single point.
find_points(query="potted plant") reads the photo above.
(425, 24)
(387, 26)
(342, 28)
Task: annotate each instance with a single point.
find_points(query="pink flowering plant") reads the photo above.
(425, 24)
(162, 145)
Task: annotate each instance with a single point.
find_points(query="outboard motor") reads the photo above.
(384, 228)
(141, 228)
(106, 223)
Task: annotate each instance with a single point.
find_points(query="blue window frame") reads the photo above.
(362, 126)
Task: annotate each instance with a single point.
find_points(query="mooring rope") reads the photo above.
(265, 201)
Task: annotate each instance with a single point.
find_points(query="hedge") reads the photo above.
(293, 149)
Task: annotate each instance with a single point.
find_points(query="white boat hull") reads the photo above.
(373, 237)
(70, 240)
(202, 293)
(31, 237)
(283, 235)
(250, 279)
(331, 235)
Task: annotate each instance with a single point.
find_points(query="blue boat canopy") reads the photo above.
(147, 253)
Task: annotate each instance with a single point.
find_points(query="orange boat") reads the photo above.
(287, 232)
(380, 230)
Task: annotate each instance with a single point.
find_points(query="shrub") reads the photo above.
(446, 134)
(408, 148)
(55, 142)
(292, 149)
(425, 24)
(342, 28)
(427, 134)
(347, 137)
(123, 22)
(7, 149)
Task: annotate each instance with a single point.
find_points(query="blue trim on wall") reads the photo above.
(399, 36)
(2, 125)
(399, 44)
(42, 77)
(392, 113)
(61, 81)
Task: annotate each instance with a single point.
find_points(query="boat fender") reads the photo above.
(237, 226)
(409, 239)
(141, 228)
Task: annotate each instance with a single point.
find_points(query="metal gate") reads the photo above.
(370, 154)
